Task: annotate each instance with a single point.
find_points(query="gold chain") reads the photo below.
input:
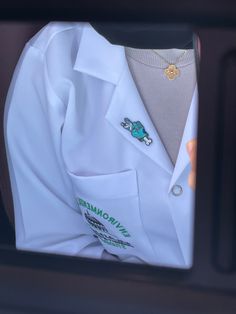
(171, 72)
(177, 60)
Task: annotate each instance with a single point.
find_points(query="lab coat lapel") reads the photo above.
(190, 132)
(99, 58)
(127, 103)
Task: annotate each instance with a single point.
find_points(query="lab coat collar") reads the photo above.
(99, 58)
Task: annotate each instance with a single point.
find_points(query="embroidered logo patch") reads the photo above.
(137, 130)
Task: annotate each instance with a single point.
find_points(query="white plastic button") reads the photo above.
(177, 190)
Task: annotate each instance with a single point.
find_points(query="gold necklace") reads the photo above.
(171, 71)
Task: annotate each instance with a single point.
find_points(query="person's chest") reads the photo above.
(126, 187)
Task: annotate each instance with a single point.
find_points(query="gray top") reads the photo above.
(166, 101)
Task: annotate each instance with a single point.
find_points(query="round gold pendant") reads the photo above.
(172, 72)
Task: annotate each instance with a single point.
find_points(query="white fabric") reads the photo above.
(70, 158)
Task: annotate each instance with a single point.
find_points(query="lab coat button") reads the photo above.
(177, 190)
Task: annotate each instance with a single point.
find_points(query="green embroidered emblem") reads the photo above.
(104, 215)
(137, 130)
(100, 230)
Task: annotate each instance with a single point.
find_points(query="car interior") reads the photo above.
(45, 283)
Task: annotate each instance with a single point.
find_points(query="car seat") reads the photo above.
(13, 37)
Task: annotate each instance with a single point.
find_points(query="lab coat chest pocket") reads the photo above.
(110, 206)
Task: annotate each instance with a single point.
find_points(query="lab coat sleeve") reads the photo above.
(47, 218)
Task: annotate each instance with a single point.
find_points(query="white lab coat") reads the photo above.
(82, 184)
